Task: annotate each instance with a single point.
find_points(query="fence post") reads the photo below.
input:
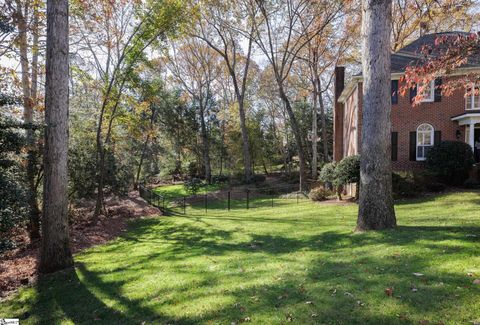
(228, 204)
(297, 197)
(248, 198)
(184, 205)
(206, 203)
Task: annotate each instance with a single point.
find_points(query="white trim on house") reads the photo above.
(350, 86)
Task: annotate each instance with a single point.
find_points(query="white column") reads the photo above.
(471, 136)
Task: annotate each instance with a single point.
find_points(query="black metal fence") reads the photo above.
(225, 199)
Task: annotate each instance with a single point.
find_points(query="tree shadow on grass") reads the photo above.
(92, 295)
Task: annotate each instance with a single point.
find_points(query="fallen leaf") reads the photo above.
(417, 274)
(309, 302)
(389, 292)
(289, 317)
(476, 281)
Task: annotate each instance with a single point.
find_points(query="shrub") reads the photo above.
(435, 187)
(327, 174)
(258, 178)
(319, 194)
(471, 184)
(450, 161)
(348, 170)
(404, 185)
(219, 179)
(329, 177)
(192, 186)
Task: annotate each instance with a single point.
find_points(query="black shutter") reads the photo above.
(437, 137)
(413, 146)
(413, 93)
(394, 146)
(394, 92)
(438, 90)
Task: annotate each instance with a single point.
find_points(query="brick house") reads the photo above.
(414, 128)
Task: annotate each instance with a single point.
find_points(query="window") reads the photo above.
(472, 99)
(428, 91)
(394, 87)
(425, 138)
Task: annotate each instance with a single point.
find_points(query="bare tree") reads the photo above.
(55, 252)
(376, 209)
(216, 28)
(283, 29)
(196, 67)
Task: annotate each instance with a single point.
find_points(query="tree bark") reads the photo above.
(28, 104)
(298, 138)
(323, 119)
(314, 135)
(206, 147)
(247, 159)
(376, 210)
(55, 252)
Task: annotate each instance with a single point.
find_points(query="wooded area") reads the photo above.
(130, 92)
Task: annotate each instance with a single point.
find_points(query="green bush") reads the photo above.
(319, 194)
(471, 184)
(193, 185)
(404, 185)
(348, 170)
(328, 175)
(219, 179)
(258, 178)
(450, 161)
(13, 195)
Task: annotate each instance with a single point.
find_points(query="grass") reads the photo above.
(178, 190)
(298, 263)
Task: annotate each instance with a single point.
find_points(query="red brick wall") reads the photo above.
(406, 119)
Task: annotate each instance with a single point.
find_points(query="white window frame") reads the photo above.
(422, 133)
(470, 99)
(431, 97)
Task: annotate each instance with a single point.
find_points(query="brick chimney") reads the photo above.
(338, 115)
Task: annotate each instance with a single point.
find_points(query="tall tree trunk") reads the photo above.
(323, 120)
(206, 147)
(314, 134)
(376, 209)
(28, 104)
(55, 252)
(298, 139)
(247, 159)
(140, 164)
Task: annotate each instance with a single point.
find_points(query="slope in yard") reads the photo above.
(298, 263)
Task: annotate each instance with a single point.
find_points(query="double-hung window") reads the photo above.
(428, 91)
(472, 99)
(425, 140)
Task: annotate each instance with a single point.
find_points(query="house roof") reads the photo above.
(410, 55)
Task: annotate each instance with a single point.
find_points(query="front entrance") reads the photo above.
(477, 145)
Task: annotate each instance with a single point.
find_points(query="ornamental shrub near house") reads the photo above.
(450, 161)
(328, 176)
(348, 170)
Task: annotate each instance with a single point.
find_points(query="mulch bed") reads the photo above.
(18, 267)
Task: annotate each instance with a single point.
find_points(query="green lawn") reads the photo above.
(175, 191)
(298, 263)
